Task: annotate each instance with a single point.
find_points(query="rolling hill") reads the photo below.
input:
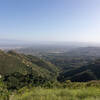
(82, 74)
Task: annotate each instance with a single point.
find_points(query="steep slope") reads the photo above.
(18, 70)
(12, 62)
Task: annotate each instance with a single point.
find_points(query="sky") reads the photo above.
(50, 20)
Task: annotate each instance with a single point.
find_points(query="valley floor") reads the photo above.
(89, 93)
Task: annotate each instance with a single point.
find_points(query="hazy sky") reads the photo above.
(50, 20)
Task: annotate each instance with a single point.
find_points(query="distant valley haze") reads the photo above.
(17, 44)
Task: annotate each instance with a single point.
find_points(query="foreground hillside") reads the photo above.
(12, 62)
(19, 70)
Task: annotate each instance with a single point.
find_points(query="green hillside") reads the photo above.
(12, 62)
(19, 70)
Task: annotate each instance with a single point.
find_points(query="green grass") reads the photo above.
(90, 93)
